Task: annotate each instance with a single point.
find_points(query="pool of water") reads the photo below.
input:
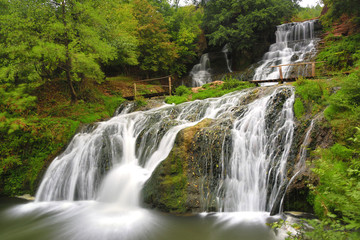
(92, 220)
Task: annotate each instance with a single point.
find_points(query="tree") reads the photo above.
(184, 27)
(69, 39)
(157, 53)
(244, 22)
(339, 7)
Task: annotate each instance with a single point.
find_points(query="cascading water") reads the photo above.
(106, 165)
(211, 63)
(200, 74)
(226, 51)
(301, 165)
(257, 168)
(133, 144)
(295, 42)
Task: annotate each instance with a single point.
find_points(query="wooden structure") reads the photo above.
(168, 78)
(282, 79)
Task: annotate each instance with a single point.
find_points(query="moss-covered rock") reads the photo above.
(185, 181)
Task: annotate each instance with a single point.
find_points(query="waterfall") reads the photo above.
(225, 50)
(300, 166)
(210, 64)
(111, 161)
(200, 73)
(257, 164)
(295, 42)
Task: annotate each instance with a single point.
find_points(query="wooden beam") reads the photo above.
(296, 64)
(169, 85)
(153, 79)
(281, 76)
(313, 69)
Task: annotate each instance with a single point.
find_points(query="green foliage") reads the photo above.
(176, 99)
(140, 101)
(311, 95)
(230, 83)
(337, 8)
(341, 53)
(184, 28)
(344, 110)
(338, 193)
(182, 90)
(330, 230)
(244, 23)
(157, 53)
(299, 109)
(29, 140)
(307, 13)
(208, 91)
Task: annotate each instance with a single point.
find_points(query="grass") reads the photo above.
(184, 94)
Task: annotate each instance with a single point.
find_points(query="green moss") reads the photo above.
(299, 109)
(166, 190)
(175, 99)
(140, 101)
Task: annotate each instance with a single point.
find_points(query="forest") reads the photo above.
(63, 65)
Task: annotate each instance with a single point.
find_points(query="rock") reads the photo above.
(27, 197)
(186, 180)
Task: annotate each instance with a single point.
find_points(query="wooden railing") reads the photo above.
(295, 64)
(154, 79)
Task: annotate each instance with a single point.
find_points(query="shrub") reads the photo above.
(182, 90)
(230, 83)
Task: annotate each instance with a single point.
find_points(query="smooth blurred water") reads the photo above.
(90, 220)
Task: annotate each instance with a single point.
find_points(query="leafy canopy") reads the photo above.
(244, 22)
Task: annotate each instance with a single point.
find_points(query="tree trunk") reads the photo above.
(68, 65)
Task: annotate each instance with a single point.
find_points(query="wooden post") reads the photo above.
(134, 90)
(281, 75)
(313, 69)
(170, 85)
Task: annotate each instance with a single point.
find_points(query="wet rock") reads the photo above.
(186, 180)
(296, 197)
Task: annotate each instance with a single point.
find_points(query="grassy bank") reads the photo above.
(335, 195)
(37, 122)
(215, 89)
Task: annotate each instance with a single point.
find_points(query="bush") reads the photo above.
(230, 83)
(182, 90)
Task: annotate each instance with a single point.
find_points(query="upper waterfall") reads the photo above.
(295, 42)
(210, 64)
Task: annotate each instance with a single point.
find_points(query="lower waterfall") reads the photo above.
(93, 188)
(111, 161)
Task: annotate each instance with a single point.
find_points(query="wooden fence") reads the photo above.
(281, 80)
(168, 78)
